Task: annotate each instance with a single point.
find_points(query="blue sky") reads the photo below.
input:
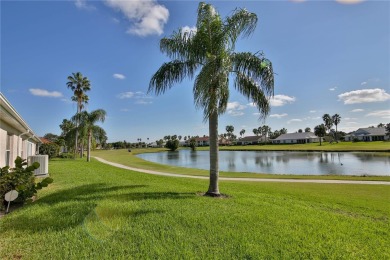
(328, 56)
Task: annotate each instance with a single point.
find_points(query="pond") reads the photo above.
(281, 162)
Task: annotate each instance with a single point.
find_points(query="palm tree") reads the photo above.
(336, 118)
(210, 50)
(87, 126)
(230, 130)
(320, 131)
(328, 121)
(307, 130)
(242, 132)
(256, 131)
(79, 85)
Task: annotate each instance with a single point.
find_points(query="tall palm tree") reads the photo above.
(336, 118)
(87, 127)
(79, 85)
(242, 132)
(328, 121)
(210, 50)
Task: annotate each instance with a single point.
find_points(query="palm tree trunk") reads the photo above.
(89, 146)
(77, 134)
(214, 171)
(336, 135)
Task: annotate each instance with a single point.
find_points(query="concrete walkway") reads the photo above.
(241, 179)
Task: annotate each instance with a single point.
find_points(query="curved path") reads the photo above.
(240, 179)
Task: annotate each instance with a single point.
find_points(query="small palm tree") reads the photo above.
(210, 51)
(79, 85)
(320, 131)
(88, 128)
(336, 118)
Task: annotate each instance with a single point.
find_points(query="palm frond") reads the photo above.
(211, 88)
(256, 67)
(178, 46)
(250, 89)
(242, 23)
(170, 73)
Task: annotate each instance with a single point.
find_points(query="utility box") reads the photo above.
(43, 161)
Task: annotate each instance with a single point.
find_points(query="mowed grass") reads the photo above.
(124, 157)
(95, 211)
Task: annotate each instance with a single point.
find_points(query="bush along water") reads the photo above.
(22, 179)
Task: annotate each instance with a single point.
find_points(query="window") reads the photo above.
(8, 150)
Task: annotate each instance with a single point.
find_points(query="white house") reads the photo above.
(252, 140)
(296, 138)
(16, 137)
(368, 134)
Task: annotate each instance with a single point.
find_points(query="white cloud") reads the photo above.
(82, 4)
(312, 111)
(147, 17)
(278, 115)
(119, 76)
(281, 100)
(139, 96)
(45, 93)
(126, 95)
(349, 1)
(380, 113)
(363, 83)
(124, 110)
(364, 96)
(357, 110)
(187, 29)
(143, 102)
(235, 108)
(294, 120)
(333, 89)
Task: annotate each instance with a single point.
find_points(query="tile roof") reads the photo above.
(296, 136)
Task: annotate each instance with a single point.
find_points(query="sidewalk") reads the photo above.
(242, 179)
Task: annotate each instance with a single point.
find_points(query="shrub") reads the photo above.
(51, 149)
(67, 155)
(22, 179)
(172, 144)
(193, 144)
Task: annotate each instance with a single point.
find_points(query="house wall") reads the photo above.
(3, 143)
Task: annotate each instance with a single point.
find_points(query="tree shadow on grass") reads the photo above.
(68, 208)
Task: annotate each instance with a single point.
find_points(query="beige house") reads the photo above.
(16, 137)
(296, 138)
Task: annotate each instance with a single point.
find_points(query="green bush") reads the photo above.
(22, 179)
(172, 145)
(51, 149)
(67, 155)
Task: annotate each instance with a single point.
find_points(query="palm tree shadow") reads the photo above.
(68, 208)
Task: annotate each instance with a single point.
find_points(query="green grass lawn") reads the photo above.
(95, 211)
(124, 157)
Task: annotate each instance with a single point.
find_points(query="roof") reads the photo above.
(205, 139)
(370, 131)
(10, 116)
(295, 136)
(45, 140)
(252, 138)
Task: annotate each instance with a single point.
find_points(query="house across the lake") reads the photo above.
(16, 137)
(252, 140)
(368, 134)
(296, 138)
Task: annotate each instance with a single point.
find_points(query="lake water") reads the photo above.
(281, 162)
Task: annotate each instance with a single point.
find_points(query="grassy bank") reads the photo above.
(95, 211)
(124, 157)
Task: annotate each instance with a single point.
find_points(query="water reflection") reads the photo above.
(313, 163)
